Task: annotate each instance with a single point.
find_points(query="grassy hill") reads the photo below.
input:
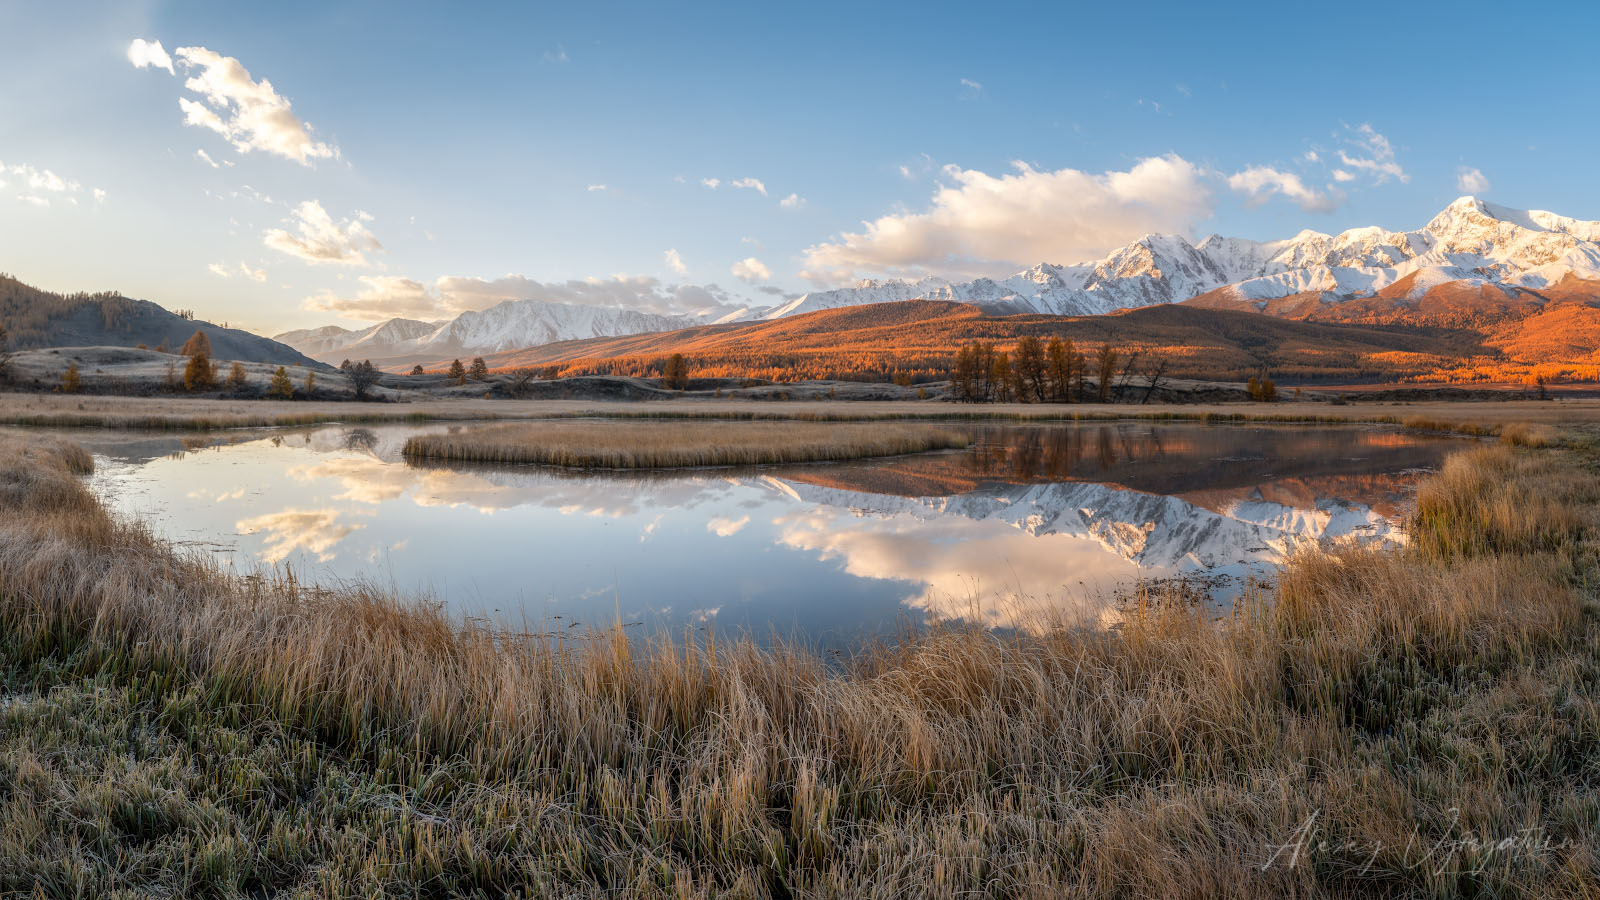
(919, 338)
(37, 318)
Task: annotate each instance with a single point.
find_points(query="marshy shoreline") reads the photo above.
(170, 729)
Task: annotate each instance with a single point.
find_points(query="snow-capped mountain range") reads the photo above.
(510, 325)
(1470, 243)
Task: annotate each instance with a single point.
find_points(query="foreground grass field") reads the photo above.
(680, 444)
(1421, 723)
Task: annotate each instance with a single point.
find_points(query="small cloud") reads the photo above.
(1311, 156)
(243, 270)
(596, 187)
(558, 55)
(751, 241)
(723, 526)
(711, 182)
(1377, 155)
(205, 157)
(1182, 89)
(1471, 181)
(99, 195)
(970, 89)
(751, 183)
(1258, 183)
(144, 53)
(675, 262)
(1342, 176)
(36, 200)
(321, 240)
(751, 270)
(793, 201)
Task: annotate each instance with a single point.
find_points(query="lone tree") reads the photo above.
(199, 374)
(479, 370)
(416, 369)
(363, 375)
(520, 380)
(311, 382)
(280, 386)
(458, 373)
(71, 382)
(197, 343)
(236, 377)
(675, 375)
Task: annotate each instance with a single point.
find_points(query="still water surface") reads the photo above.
(1033, 521)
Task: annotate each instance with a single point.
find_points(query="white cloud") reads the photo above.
(1471, 181)
(711, 182)
(36, 200)
(793, 201)
(321, 240)
(1341, 175)
(979, 223)
(558, 55)
(596, 187)
(1260, 183)
(205, 157)
(970, 88)
(1311, 156)
(751, 270)
(751, 183)
(149, 53)
(1183, 89)
(383, 296)
(727, 526)
(1377, 156)
(243, 270)
(675, 262)
(99, 195)
(250, 114)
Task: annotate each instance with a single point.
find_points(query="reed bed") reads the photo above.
(665, 445)
(1376, 725)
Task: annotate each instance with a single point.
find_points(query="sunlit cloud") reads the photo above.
(751, 270)
(753, 184)
(675, 262)
(1260, 183)
(144, 53)
(1471, 181)
(318, 239)
(316, 531)
(243, 270)
(979, 223)
(249, 114)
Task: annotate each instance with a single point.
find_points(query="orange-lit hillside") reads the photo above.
(919, 338)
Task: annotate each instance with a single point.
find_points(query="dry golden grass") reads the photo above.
(170, 729)
(658, 445)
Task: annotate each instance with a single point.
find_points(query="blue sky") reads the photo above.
(421, 159)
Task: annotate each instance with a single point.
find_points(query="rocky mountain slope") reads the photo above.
(509, 325)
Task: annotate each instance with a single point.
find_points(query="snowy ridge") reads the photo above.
(510, 325)
(1155, 531)
(1469, 241)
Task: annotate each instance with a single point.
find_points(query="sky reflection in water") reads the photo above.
(1032, 524)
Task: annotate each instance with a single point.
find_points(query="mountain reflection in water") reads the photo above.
(1034, 523)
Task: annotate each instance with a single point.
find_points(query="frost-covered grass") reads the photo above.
(1373, 727)
(633, 444)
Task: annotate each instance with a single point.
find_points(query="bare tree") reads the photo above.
(520, 380)
(363, 375)
(1154, 375)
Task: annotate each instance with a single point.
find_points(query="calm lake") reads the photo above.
(1033, 522)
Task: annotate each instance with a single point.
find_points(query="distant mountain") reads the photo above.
(506, 326)
(1470, 246)
(38, 318)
